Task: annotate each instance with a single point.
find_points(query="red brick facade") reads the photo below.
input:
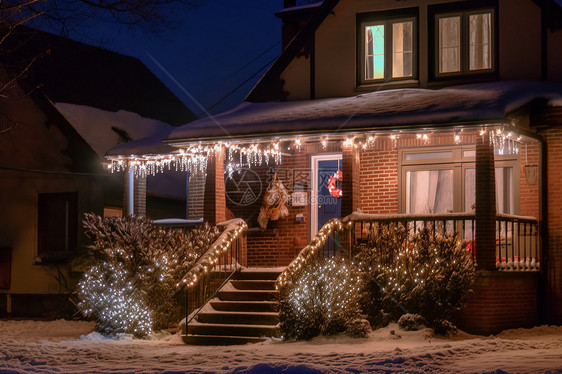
(501, 300)
(379, 181)
(553, 140)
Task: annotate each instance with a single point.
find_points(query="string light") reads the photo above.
(194, 158)
(211, 257)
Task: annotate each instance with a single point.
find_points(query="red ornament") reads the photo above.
(334, 191)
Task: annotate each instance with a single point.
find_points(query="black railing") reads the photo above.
(214, 268)
(517, 241)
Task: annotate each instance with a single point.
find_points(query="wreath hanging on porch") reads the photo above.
(332, 188)
(274, 204)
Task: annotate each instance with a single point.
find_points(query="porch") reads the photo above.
(478, 173)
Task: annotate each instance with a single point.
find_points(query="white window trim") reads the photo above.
(458, 163)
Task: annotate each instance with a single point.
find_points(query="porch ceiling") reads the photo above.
(391, 109)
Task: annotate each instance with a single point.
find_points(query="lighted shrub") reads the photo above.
(323, 299)
(429, 274)
(135, 268)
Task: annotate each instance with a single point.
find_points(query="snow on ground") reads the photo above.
(73, 347)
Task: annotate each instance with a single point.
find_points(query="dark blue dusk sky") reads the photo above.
(204, 51)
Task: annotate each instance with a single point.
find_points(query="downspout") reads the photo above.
(544, 294)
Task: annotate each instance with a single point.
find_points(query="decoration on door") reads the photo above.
(274, 205)
(332, 188)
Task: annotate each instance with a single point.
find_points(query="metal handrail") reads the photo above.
(311, 251)
(221, 249)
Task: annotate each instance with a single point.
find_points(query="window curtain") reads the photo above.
(431, 191)
(480, 36)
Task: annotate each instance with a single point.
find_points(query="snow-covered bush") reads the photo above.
(323, 299)
(142, 262)
(411, 322)
(429, 274)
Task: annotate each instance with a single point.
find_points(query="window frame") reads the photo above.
(387, 18)
(45, 251)
(464, 10)
(459, 162)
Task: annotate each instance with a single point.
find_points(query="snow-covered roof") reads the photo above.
(474, 103)
(96, 127)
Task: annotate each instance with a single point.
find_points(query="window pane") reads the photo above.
(57, 222)
(429, 191)
(504, 190)
(449, 44)
(374, 52)
(428, 155)
(480, 32)
(402, 48)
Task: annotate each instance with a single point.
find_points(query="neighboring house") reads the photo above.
(429, 109)
(71, 105)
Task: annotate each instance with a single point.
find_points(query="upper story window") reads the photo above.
(464, 42)
(387, 47)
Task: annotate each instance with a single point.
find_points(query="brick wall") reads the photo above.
(529, 193)
(549, 123)
(501, 300)
(379, 181)
(196, 194)
(214, 204)
(280, 243)
(553, 139)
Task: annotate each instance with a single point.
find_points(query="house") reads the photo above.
(416, 110)
(71, 104)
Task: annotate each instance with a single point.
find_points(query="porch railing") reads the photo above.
(517, 244)
(312, 251)
(214, 268)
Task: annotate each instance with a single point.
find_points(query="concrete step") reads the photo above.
(253, 284)
(220, 339)
(244, 306)
(221, 329)
(247, 295)
(258, 274)
(241, 318)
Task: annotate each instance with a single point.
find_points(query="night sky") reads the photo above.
(208, 53)
(208, 50)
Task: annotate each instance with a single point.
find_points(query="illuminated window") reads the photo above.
(387, 49)
(464, 42)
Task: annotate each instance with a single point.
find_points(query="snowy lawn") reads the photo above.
(72, 347)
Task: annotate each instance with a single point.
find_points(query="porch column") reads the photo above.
(485, 236)
(134, 195)
(214, 204)
(350, 183)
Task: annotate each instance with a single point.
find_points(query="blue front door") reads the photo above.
(329, 206)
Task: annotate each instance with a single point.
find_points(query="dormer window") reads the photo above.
(387, 47)
(464, 42)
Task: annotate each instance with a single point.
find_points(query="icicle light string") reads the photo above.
(194, 158)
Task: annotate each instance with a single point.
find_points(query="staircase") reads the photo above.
(244, 311)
